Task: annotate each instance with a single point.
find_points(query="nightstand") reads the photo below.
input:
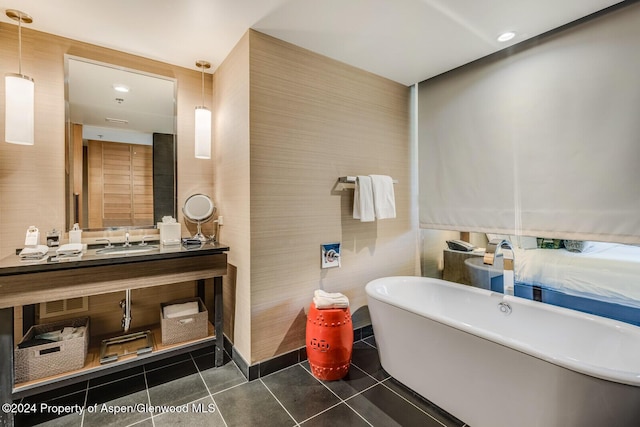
(454, 268)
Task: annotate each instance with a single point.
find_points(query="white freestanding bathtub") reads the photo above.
(493, 360)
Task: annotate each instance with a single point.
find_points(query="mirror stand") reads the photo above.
(199, 208)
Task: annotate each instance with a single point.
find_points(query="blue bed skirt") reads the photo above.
(612, 310)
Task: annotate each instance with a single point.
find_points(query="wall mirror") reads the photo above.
(121, 146)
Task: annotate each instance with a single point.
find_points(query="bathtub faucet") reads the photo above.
(508, 278)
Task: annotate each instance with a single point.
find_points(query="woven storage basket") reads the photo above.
(44, 360)
(184, 328)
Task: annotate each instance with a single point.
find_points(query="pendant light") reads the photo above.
(19, 95)
(203, 122)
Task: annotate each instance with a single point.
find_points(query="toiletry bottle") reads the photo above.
(32, 238)
(75, 234)
(53, 238)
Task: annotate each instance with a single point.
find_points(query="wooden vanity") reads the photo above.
(25, 283)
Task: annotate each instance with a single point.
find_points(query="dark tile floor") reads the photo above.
(195, 393)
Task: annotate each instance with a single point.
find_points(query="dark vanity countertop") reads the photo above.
(14, 265)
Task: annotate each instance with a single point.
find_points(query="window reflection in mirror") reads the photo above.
(121, 155)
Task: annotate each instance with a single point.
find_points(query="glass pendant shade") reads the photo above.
(19, 109)
(203, 133)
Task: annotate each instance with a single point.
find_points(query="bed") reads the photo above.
(603, 279)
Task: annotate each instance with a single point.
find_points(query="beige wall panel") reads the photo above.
(38, 170)
(106, 315)
(43, 60)
(314, 119)
(232, 190)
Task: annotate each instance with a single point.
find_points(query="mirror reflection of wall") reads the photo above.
(120, 184)
(122, 155)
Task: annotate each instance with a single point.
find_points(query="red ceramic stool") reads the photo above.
(329, 342)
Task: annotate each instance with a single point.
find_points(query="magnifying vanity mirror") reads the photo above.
(121, 146)
(199, 208)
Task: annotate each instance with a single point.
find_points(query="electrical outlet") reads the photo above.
(330, 255)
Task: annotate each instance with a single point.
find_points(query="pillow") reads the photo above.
(524, 242)
(576, 245)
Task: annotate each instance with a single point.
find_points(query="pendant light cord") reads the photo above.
(20, 45)
(202, 85)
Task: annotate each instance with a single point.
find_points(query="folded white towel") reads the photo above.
(324, 300)
(36, 252)
(179, 310)
(383, 196)
(363, 208)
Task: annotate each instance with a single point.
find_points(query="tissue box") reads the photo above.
(170, 233)
(184, 328)
(53, 358)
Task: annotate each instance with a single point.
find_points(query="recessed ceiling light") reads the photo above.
(121, 88)
(505, 37)
(119, 121)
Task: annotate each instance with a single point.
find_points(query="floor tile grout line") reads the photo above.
(370, 345)
(61, 396)
(358, 413)
(278, 400)
(229, 388)
(366, 373)
(208, 390)
(84, 404)
(200, 375)
(140, 422)
(146, 371)
(409, 402)
(376, 382)
(219, 411)
(323, 411)
(166, 366)
(190, 403)
(360, 392)
(113, 381)
(322, 382)
(146, 387)
(390, 389)
(335, 394)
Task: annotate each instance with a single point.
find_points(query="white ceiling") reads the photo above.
(147, 107)
(404, 40)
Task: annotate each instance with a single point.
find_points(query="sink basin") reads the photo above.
(485, 276)
(121, 250)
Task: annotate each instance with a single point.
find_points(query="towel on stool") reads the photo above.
(324, 300)
(363, 208)
(384, 198)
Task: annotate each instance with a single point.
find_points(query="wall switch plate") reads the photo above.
(330, 255)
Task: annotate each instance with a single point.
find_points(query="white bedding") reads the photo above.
(607, 270)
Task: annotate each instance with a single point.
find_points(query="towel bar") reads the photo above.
(349, 182)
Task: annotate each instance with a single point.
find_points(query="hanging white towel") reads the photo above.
(324, 300)
(363, 208)
(384, 198)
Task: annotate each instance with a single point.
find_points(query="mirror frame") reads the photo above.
(69, 184)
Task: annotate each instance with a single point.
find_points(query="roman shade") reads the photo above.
(544, 142)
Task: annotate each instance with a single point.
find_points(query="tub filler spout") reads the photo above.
(508, 258)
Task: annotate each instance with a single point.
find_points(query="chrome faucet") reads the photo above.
(508, 277)
(127, 243)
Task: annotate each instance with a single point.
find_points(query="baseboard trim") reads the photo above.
(275, 364)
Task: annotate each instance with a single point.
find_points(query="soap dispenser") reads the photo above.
(75, 234)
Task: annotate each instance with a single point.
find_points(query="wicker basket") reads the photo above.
(184, 328)
(54, 358)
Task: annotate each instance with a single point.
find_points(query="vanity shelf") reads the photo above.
(93, 368)
(28, 283)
